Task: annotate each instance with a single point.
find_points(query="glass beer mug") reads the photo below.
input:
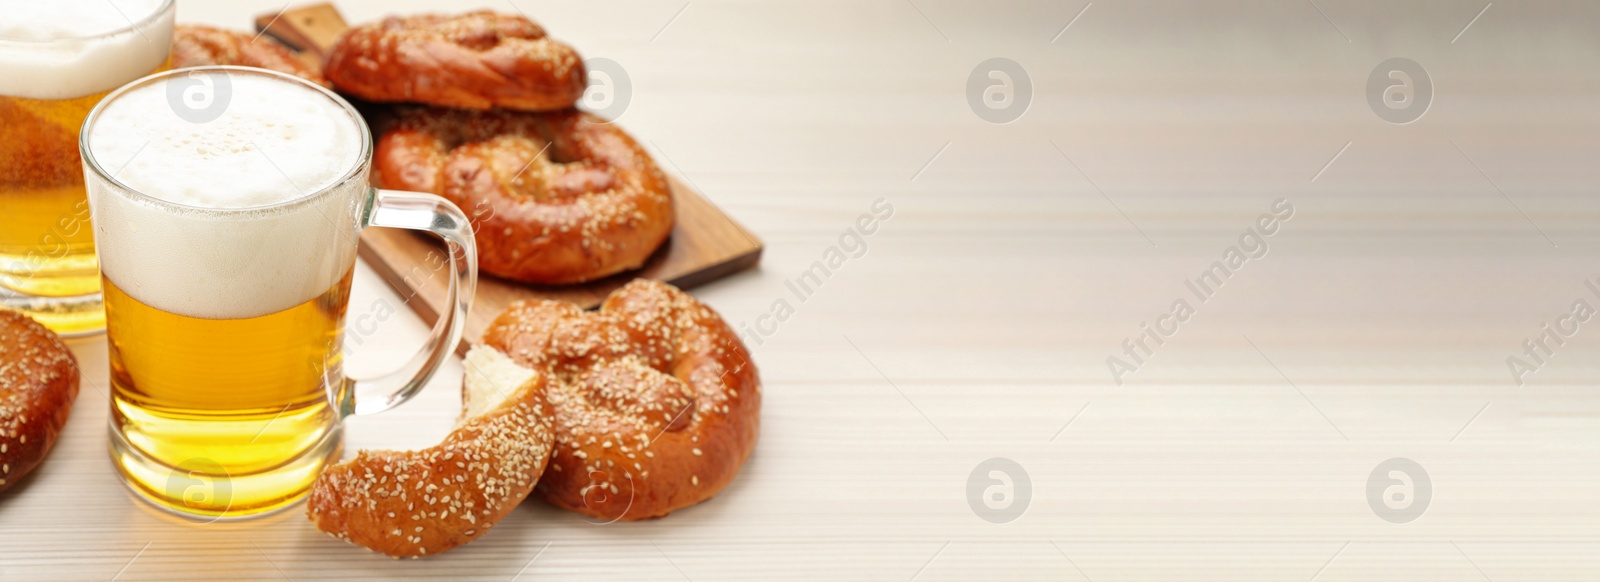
(57, 59)
(227, 204)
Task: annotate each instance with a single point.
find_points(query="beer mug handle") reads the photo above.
(426, 212)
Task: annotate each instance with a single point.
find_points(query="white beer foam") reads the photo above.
(222, 254)
(60, 49)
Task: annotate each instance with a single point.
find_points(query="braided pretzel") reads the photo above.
(476, 60)
(556, 198)
(656, 402)
(416, 503)
(195, 45)
(38, 383)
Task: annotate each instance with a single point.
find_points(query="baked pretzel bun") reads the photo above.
(657, 403)
(416, 503)
(38, 383)
(556, 198)
(195, 45)
(476, 60)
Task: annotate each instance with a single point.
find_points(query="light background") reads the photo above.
(1019, 257)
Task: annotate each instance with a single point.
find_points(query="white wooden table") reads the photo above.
(979, 323)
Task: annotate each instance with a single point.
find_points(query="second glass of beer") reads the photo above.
(227, 204)
(57, 59)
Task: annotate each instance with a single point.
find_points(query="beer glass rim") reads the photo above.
(134, 25)
(362, 160)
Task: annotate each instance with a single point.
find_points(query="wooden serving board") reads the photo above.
(705, 243)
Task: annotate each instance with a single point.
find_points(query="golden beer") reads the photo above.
(46, 243)
(227, 203)
(46, 246)
(245, 395)
(54, 68)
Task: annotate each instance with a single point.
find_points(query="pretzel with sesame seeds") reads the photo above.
(476, 60)
(418, 503)
(197, 45)
(38, 383)
(657, 404)
(556, 198)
